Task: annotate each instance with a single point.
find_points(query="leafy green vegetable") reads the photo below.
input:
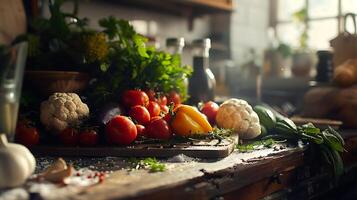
(266, 117)
(329, 140)
(134, 65)
(148, 163)
(55, 42)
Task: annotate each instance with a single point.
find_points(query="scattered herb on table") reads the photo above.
(218, 134)
(148, 163)
(267, 143)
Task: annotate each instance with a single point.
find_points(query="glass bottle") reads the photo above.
(175, 45)
(202, 82)
(324, 67)
(11, 76)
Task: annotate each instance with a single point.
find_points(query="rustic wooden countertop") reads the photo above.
(196, 180)
(277, 171)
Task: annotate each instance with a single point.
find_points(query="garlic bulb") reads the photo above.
(16, 163)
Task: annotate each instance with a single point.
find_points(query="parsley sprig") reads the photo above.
(268, 143)
(135, 65)
(151, 164)
(218, 134)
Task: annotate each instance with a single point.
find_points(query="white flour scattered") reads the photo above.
(83, 177)
(181, 158)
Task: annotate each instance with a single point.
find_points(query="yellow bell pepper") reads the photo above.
(188, 120)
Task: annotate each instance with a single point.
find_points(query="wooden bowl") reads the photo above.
(49, 82)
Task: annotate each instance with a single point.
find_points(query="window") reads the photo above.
(321, 21)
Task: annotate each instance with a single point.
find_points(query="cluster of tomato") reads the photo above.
(147, 114)
(141, 107)
(28, 135)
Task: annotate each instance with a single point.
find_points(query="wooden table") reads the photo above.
(204, 180)
(293, 173)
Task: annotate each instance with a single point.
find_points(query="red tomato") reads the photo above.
(140, 114)
(155, 118)
(164, 109)
(69, 136)
(174, 97)
(167, 118)
(153, 108)
(88, 138)
(26, 135)
(158, 128)
(120, 130)
(140, 129)
(162, 100)
(210, 109)
(132, 98)
(151, 94)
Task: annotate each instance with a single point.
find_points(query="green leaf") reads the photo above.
(317, 139)
(133, 65)
(110, 26)
(332, 141)
(104, 67)
(140, 43)
(148, 163)
(329, 140)
(267, 143)
(336, 134)
(334, 159)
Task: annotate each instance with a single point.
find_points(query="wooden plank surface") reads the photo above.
(251, 175)
(192, 180)
(268, 172)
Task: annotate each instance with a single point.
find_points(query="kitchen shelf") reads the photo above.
(189, 8)
(215, 5)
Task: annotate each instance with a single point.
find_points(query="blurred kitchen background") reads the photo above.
(267, 43)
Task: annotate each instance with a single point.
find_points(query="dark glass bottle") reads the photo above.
(324, 67)
(202, 82)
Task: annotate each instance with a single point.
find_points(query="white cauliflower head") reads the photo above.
(62, 110)
(238, 115)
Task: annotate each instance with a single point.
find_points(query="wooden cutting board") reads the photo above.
(197, 149)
